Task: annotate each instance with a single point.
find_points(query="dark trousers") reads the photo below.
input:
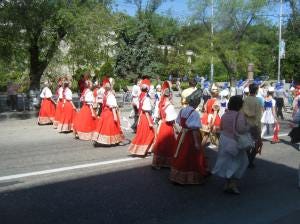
(13, 101)
(255, 134)
(279, 106)
(136, 118)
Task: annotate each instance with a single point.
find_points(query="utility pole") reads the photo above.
(279, 44)
(212, 43)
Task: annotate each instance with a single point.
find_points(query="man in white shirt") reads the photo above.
(136, 91)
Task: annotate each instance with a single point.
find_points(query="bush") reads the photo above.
(105, 69)
(121, 84)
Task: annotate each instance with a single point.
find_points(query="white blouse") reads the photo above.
(100, 94)
(60, 92)
(171, 113)
(88, 97)
(46, 93)
(193, 121)
(68, 94)
(111, 100)
(147, 106)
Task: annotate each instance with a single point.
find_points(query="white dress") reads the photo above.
(268, 117)
(223, 106)
(227, 164)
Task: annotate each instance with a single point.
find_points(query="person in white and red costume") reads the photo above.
(85, 121)
(165, 143)
(144, 138)
(108, 129)
(47, 110)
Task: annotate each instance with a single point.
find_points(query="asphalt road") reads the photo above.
(46, 177)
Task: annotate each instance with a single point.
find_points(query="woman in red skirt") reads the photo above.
(108, 129)
(68, 112)
(211, 120)
(85, 120)
(165, 143)
(189, 164)
(47, 110)
(144, 138)
(59, 102)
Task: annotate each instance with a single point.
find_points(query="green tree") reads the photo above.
(232, 19)
(37, 27)
(291, 63)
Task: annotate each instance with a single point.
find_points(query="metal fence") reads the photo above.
(32, 100)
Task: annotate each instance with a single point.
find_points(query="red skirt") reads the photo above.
(108, 132)
(164, 146)
(143, 140)
(84, 123)
(47, 112)
(57, 113)
(190, 166)
(67, 116)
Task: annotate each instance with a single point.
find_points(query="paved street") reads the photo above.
(46, 177)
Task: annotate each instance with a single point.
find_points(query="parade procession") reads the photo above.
(149, 111)
(232, 119)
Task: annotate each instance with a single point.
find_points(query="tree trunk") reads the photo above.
(37, 67)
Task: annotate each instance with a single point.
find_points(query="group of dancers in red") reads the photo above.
(178, 148)
(85, 124)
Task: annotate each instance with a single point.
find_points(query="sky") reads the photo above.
(179, 9)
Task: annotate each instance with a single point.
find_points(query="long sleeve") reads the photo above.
(241, 124)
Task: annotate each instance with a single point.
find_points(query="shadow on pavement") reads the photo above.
(142, 195)
(295, 146)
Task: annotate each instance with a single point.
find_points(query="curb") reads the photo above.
(23, 115)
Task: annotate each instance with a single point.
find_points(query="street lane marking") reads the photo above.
(62, 169)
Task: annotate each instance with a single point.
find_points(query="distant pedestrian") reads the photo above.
(136, 91)
(12, 91)
(279, 97)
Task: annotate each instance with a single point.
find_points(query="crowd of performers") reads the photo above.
(177, 140)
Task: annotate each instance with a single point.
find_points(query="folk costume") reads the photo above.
(211, 119)
(165, 143)
(144, 138)
(269, 114)
(108, 128)
(47, 110)
(189, 164)
(96, 105)
(59, 103)
(68, 112)
(85, 121)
